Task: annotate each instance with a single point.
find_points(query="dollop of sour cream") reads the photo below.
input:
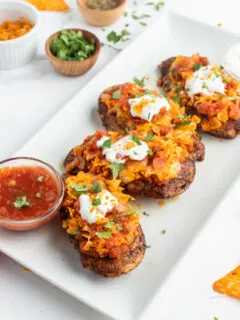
(205, 81)
(147, 106)
(123, 148)
(232, 60)
(91, 213)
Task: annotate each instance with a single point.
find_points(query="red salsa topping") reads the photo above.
(26, 192)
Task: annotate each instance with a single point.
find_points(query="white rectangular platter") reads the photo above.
(47, 251)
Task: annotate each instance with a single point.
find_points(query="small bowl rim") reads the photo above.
(29, 33)
(84, 7)
(49, 53)
(55, 206)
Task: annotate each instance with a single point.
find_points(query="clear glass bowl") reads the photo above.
(34, 223)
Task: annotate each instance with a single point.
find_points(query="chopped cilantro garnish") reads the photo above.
(147, 247)
(217, 75)
(142, 23)
(106, 144)
(129, 212)
(125, 14)
(104, 234)
(178, 89)
(40, 178)
(135, 153)
(75, 232)
(215, 318)
(150, 152)
(221, 67)
(145, 214)
(116, 95)
(173, 70)
(119, 228)
(163, 231)
(38, 195)
(145, 93)
(96, 187)
(176, 99)
(136, 139)
(183, 123)
(116, 168)
(204, 85)
(157, 6)
(21, 202)
(226, 80)
(126, 130)
(79, 188)
(139, 82)
(109, 224)
(114, 37)
(149, 136)
(126, 25)
(143, 16)
(96, 202)
(196, 66)
(149, 116)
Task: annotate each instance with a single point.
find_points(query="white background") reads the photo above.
(23, 295)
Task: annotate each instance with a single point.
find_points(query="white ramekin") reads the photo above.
(20, 51)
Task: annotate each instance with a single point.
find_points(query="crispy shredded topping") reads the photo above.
(10, 30)
(112, 234)
(214, 109)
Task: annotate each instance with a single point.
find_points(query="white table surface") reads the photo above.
(24, 295)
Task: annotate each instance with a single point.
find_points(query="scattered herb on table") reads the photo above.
(147, 247)
(125, 14)
(143, 24)
(21, 202)
(143, 16)
(145, 214)
(115, 38)
(71, 46)
(163, 231)
(157, 6)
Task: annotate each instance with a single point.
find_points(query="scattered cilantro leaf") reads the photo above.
(177, 100)
(143, 16)
(149, 136)
(178, 89)
(116, 95)
(116, 168)
(79, 188)
(145, 214)
(96, 187)
(226, 80)
(204, 85)
(129, 212)
(40, 178)
(125, 14)
(75, 232)
(139, 82)
(119, 228)
(142, 23)
(96, 202)
(136, 140)
(109, 224)
(106, 144)
(126, 130)
(150, 152)
(21, 202)
(196, 66)
(104, 234)
(147, 247)
(183, 123)
(115, 38)
(163, 231)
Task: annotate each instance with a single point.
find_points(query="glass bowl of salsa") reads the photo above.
(31, 193)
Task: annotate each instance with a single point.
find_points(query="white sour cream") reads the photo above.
(146, 107)
(92, 213)
(123, 148)
(205, 81)
(232, 61)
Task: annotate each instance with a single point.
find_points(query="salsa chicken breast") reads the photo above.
(128, 107)
(147, 164)
(205, 90)
(105, 229)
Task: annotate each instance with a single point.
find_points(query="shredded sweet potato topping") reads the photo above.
(229, 284)
(162, 165)
(214, 110)
(14, 29)
(118, 227)
(49, 5)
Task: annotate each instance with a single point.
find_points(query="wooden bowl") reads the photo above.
(101, 17)
(73, 68)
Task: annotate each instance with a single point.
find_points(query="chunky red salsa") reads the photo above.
(26, 192)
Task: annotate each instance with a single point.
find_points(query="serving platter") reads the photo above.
(47, 251)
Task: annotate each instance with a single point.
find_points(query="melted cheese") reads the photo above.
(92, 213)
(123, 148)
(146, 107)
(205, 81)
